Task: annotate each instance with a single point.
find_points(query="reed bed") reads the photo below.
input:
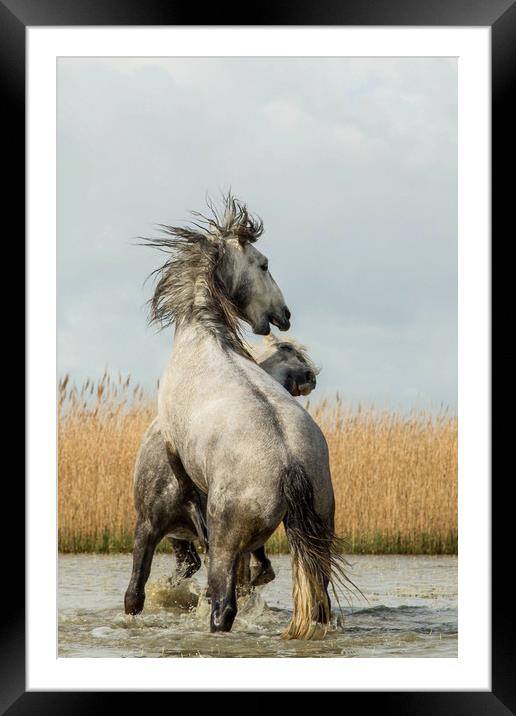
(394, 476)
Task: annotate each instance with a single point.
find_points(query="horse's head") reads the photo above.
(215, 274)
(289, 364)
(245, 273)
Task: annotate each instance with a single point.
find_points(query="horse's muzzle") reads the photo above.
(281, 321)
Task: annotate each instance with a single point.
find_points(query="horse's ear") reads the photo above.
(244, 231)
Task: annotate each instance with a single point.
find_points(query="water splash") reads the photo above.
(170, 594)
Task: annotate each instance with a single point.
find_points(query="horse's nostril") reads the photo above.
(287, 314)
(309, 377)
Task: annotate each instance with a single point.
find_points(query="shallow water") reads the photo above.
(411, 611)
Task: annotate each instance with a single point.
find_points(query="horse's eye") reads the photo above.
(264, 267)
(286, 347)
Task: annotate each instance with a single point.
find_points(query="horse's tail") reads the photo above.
(317, 560)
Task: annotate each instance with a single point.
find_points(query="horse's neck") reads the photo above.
(196, 343)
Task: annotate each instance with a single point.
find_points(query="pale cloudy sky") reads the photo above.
(351, 163)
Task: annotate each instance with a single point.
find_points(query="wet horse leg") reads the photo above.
(145, 542)
(223, 592)
(243, 574)
(222, 585)
(195, 513)
(188, 561)
(262, 573)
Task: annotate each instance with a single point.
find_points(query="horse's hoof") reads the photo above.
(133, 604)
(263, 577)
(222, 620)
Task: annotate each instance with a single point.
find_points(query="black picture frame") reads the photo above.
(500, 16)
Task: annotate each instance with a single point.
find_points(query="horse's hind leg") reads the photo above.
(188, 561)
(243, 574)
(145, 542)
(196, 515)
(262, 573)
(221, 582)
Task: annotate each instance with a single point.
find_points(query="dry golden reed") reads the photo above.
(394, 476)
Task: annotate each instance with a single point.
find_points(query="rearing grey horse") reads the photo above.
(159, 498)
(232, 429)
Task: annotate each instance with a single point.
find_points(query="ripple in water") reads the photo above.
(412, 611)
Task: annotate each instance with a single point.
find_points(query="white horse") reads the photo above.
(247, 444)
(161, 499)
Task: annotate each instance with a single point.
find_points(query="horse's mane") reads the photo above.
(271, 342)
(187, 285)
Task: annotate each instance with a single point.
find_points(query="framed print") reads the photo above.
(362, 141)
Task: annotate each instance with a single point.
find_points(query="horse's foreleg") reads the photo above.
(145, 542)
(187, 560)
(221, 582)
(262, 572)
